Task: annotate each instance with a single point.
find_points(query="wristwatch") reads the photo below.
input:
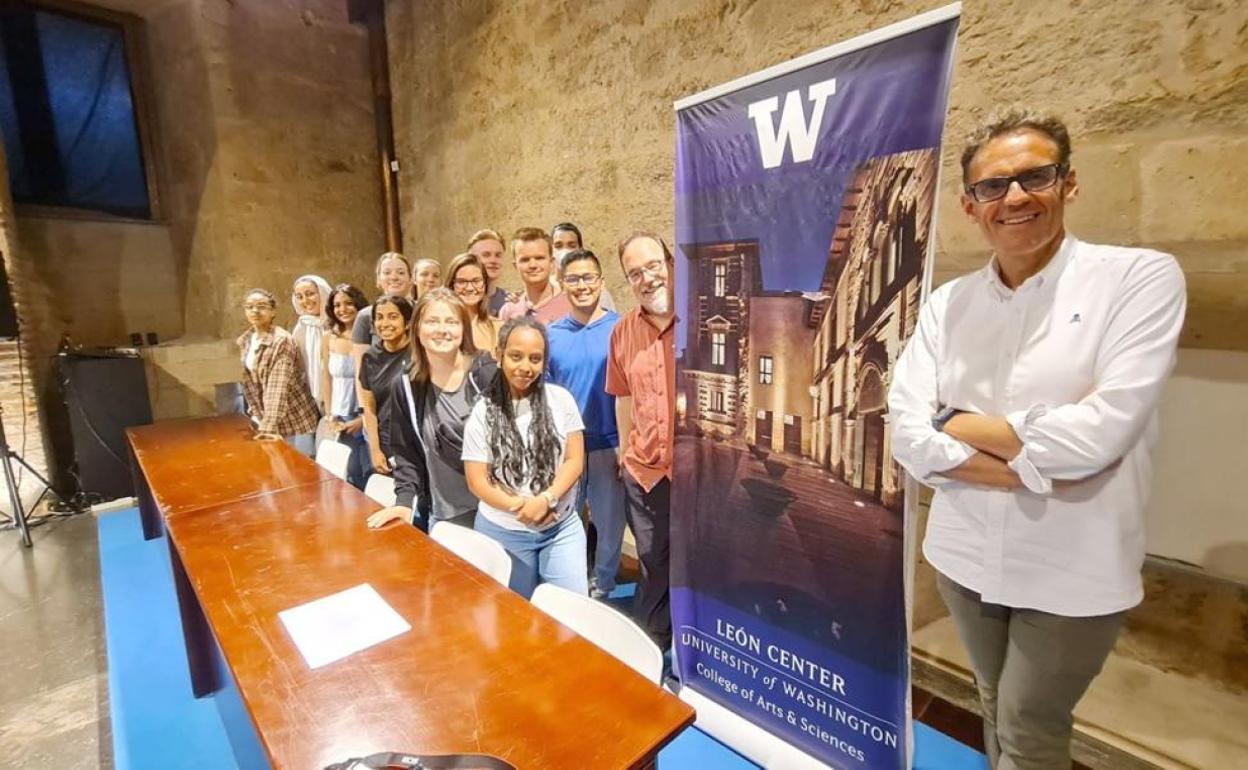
(944, 416)
(552, 502)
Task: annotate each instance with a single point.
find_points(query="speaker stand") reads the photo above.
(20, 521)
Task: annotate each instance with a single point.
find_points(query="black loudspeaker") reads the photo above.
(105, 392)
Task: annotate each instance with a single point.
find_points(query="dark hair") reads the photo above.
(624, 242)
(568, 227)
(470, 260)
(402, 303)
(419, 370)
(527, 234)
(264, 293)
(1010, 121)
(355, 295)
(577, 255)
(511, 456)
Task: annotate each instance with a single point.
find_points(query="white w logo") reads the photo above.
(793, 128)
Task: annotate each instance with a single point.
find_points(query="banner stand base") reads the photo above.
(743, 736)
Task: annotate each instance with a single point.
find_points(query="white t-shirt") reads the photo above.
(253, 352)
(567, 419)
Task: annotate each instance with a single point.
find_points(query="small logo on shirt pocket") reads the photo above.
(1076, 318)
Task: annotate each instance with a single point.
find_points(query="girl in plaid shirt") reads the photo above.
(274, 383)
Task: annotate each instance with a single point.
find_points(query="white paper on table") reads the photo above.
(332, 628)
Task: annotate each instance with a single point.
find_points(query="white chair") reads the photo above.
(481, 551)
(334, 457)
(604, 626)
(380, 488)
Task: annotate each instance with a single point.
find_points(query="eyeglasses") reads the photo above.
(586, 279)
(638, 274)
(464, 283)
(250, 306)
(1032, 180)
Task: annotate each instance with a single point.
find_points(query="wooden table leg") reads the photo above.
(149, 514)
(196, 632)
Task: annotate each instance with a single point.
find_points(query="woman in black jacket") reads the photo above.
(428, 409)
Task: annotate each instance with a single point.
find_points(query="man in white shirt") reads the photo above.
(1028, 397)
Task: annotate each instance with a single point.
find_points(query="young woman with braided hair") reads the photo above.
(523, 455)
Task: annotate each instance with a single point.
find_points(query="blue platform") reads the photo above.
(158, 724)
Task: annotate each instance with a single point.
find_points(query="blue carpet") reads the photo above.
(158, 724)
(933, 750)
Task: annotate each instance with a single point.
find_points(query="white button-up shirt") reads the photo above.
(1075, 359)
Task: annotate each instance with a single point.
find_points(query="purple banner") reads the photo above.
(803, 215)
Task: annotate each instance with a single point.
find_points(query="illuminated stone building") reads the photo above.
(747, 365)
(723, 275)
(869, 306)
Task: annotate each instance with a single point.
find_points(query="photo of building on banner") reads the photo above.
(805, 209)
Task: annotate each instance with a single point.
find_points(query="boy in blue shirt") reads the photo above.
(578, 361)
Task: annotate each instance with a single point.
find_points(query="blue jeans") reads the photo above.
(304, 443)
(554, 555)
(360, 466)
(602, 489)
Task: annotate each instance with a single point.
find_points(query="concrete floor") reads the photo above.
(53, 664)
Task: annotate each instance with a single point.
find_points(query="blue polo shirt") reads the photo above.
(578, 362)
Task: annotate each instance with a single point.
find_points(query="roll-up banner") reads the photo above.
(804, 225)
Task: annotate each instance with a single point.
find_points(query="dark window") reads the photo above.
(70, 126)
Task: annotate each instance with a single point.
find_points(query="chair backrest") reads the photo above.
(380, 488)
(334, 457)
(604, 626)
(481, 551)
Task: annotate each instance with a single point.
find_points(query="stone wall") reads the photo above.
(105, 280)
(265, 153)
(266, 115)
(529, 112)
(535, 111)
(266, 168)
(20, 383)
(182, 377)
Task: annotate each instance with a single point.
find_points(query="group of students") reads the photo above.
(505, 412)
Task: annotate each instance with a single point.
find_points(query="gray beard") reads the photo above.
(658, 303)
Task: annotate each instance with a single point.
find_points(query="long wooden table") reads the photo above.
(480, 671)
(184, 465)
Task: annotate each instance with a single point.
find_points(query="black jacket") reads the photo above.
(411, 474)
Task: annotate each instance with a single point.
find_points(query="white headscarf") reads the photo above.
(308, 332)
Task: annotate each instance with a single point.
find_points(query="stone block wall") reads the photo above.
(263, 136)
(531, 112)
(536, 111)
(24, 369)
(105, 280)
(266, 111)
(182, 376)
